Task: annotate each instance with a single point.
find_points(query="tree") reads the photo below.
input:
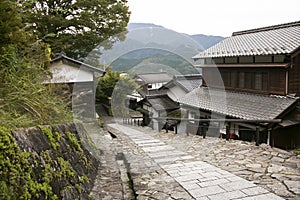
(76, 27)
(120, 101)
(10, 24)
(106, 86)
(116, 87)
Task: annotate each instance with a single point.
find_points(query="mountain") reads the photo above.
(153, 47)
(204, 41)
(132, 26)
(207, 41)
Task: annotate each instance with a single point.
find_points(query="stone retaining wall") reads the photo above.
(62, 155)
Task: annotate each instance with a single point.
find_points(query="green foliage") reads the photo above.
(125, 86)
(106, 86)
(77, 148)
(116, 87)
(167, 61)
(77, 27)
(10, 23)
(53, 137)
(16, 176)
(24, 100)
(26, 175)
(74, 142)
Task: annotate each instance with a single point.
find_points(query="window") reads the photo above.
(241, 80)
(229, 78)
(265, 80)
(258, 81)
(192, 115)
(254, 80)
(233, 79)
(226, 78)
(250, 80)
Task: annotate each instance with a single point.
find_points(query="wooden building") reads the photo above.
(79, 80)
(180, 85)
(264, 60)
(156, 106)
(252, 76)
(151, 82)
(160, 99)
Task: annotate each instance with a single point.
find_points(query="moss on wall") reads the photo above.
(46, 163)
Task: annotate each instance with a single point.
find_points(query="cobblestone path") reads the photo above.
(163, 171)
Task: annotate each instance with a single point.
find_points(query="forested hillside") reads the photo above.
(138, 58)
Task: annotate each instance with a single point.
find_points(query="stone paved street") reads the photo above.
(169, 166)
(200, 179)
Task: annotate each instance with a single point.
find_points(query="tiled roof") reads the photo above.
(155, 77)
(145, 93)
(238, 105)
(162, 102)
(279, 39)
(88, 67)
(189, 82)
(186, 82)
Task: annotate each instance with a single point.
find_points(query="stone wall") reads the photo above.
(63, 157)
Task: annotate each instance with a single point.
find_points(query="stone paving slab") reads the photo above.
(276, 170)
(200, 179)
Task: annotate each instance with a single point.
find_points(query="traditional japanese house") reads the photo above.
(180, 85)
(252, 79)
(78, 80)
(162, 101)
(156, 106)
(151, 82)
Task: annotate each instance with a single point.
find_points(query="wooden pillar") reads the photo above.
(204, 130)
(227, 131)
(219, 127)
(176, 129)
(257, 136)
(167, 127)
(269, 137)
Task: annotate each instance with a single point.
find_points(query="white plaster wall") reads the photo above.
(62, 73)
(155, 122)
(156, 85)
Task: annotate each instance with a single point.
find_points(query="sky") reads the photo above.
(213, 17)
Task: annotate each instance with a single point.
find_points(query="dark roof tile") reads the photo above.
(238, 105)
(162, 102)
(279, 39)
(155, 77)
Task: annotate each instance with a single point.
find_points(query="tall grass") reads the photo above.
(24, 100)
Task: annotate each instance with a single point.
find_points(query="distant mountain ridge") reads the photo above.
(204, 41)
(168, 52)
(132, 26)
(207, 41)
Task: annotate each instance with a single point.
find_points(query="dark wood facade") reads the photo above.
(278, 75)
(294, 75)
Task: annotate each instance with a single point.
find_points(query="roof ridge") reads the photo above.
(252, 94)
(267, 28)
(63, 55)
(153, 73)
